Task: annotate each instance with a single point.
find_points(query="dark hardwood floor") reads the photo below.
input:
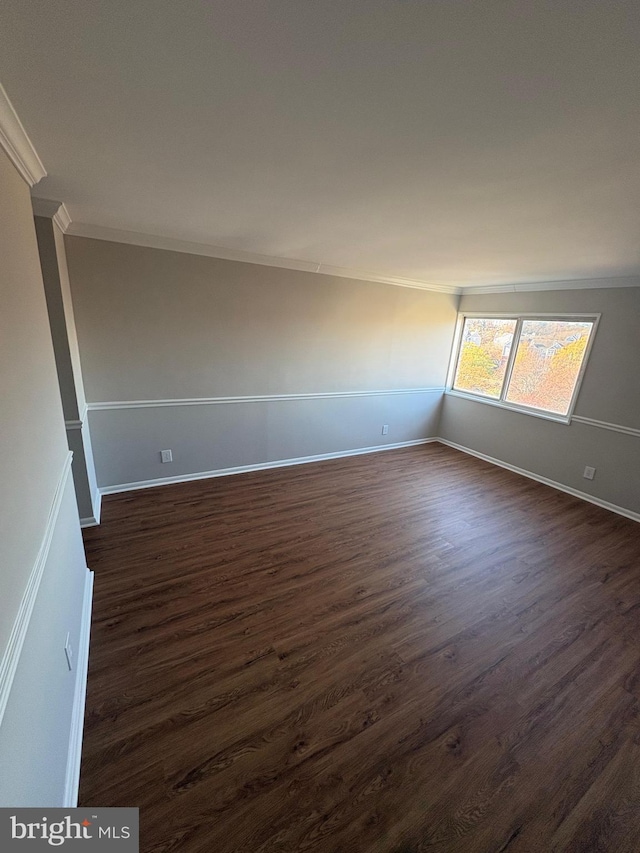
(405, 651)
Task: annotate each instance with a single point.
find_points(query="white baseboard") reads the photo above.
(283, 463)
(72, 779)
(260, 466)
(93, 520)
(11, 656)
(627, 513)
(96, 500)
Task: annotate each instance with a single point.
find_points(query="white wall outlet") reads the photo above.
(589, 473)
(68, 652)
(166, 456)
(385, 429)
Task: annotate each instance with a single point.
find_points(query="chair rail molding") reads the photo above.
(262, 398)
(605, 425)
(579, 419)
(11, 656)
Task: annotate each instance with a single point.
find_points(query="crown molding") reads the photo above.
(155, 241)
(51, 209)
(62, 218)
(16, 143)
(568, 284)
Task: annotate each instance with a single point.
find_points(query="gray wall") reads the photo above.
(36, 747)
(610, 392)
(161, 325)
(157, 325)
(31, 422)
(35, 730)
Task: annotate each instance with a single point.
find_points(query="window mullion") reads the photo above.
(512, 357)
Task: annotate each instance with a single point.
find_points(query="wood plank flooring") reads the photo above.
(400, 652)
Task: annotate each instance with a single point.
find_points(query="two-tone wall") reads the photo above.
(605, 430)
(231, 364)
(45, 585)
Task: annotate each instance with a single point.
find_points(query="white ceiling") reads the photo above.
(461, 143)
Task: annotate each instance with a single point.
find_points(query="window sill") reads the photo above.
(510, 407)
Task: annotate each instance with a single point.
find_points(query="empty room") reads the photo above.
(320, 426)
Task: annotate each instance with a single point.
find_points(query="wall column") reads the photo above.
(49, 217)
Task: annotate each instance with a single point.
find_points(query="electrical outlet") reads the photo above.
(68, 652)
(589, 473)
(385, 429)
(166, 456)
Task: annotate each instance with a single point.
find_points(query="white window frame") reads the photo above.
(519, 319)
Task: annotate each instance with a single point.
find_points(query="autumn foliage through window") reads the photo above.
(535, 363)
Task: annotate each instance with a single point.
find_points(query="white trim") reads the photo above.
(156, 241)
(531, 315)
(605, 425)
(16, 143)
(213, 401)
(62, 218)
(510, 407)
(51, 209)
(265, 398)
(96, 504)
(72, 779)
(11, 655)
(284, 463)
(627, 513)
(260, 466)
(538, 414)
(567, 284)
(519, 319)
(173, 244)
(79, 422)
(453, 352)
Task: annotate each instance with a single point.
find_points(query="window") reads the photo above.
(531, 363)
